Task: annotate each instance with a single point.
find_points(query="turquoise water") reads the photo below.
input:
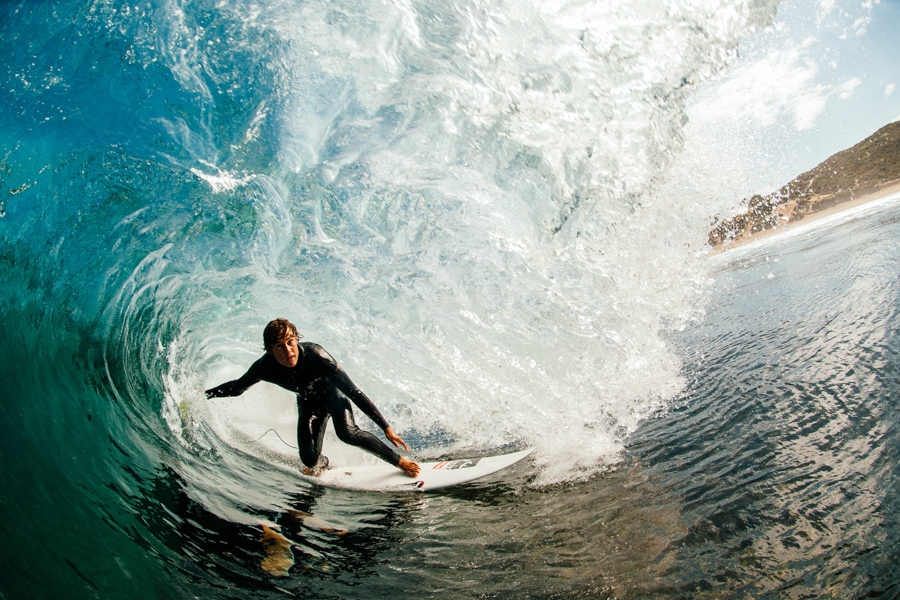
(463, 203)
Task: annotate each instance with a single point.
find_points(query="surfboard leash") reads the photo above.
(279, 437)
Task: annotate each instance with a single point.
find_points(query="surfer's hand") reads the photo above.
(395, 439)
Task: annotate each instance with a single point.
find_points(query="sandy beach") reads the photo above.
(849, 205)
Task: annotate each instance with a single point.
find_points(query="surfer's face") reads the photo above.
(286, 352)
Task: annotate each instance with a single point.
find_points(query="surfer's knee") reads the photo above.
(345, 427)
(347, 433)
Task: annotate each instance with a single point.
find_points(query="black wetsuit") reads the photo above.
(322, 389)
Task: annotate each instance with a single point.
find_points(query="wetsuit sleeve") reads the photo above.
(343, 382)
(238, 386)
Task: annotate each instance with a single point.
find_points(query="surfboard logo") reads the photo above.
(450, 465)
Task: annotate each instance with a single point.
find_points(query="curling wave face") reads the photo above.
(460, 201)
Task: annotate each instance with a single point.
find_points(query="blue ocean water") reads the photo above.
(463, 203)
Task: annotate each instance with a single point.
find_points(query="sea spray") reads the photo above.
(462, 202)
(468, 213)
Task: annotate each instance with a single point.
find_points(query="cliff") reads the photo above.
(865, 168)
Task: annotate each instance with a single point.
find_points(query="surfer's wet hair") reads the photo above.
(276, 331)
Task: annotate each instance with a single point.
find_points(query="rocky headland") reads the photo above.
(863, 170)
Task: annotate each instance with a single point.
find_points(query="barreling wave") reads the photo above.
(461, 201)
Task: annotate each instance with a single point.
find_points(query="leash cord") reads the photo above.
(279, 437)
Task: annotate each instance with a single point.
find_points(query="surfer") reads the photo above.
(323, 390)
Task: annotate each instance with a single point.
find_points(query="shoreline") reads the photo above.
(811, 218)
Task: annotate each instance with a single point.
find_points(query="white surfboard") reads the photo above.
(433, 475)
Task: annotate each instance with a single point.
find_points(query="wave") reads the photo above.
(463, 202)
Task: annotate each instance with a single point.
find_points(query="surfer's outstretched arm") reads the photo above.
(238, 386)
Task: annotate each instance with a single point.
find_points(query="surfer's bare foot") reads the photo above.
(321, 466)
(409, 467)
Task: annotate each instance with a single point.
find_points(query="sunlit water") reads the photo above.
(464, 204)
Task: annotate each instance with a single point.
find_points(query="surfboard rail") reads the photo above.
(432, 476)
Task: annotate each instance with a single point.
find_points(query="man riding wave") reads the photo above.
(323, 391)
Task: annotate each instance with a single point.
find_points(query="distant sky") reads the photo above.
(823, 77)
